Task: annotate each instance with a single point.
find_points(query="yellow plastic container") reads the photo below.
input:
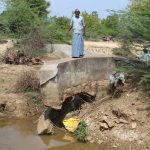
(71, 124)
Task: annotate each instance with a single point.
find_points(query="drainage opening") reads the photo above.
(72, 103)
(2, 107)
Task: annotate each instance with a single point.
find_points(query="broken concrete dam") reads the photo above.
(66, 76)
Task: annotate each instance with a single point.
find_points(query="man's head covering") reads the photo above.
(77, 10)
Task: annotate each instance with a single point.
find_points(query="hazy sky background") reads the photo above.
(65, 7)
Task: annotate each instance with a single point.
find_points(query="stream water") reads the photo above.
(21, 135)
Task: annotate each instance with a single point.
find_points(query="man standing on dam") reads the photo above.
(78, 26)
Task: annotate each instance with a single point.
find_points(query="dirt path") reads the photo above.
(109, 44)
(101, 47)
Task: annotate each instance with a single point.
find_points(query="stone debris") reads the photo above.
(123, 121)
(44, 126)
(133, 125)
(108, 121)
(103, 126)
(118, 112)
(18, 57)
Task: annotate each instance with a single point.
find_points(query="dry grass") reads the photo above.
(27, 81)
(34, 44)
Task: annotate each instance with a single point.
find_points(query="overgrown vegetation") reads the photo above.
(122, 52)
(26, 21)
(134, 24)
(34, 44)
(58, 28)
(27, 82)
(81, 132)
(137, 74)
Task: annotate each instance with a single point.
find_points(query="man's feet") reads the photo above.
(81, 56)
(75, 57)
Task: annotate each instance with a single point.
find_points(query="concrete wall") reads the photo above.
(60, 50)
(80, 71)
(76, 72)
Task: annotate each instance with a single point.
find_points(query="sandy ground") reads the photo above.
(109, 44)
(122, 123)
(96, 47)
(101, 47)
(16, 104)
(4, 46)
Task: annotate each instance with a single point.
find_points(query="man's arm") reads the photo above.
(83, 23)
(83, 30)
(70, 28)
(71, 24)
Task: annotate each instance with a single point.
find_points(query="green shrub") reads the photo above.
(121, 52)
(145, 81)
(138, 74)
(81, 133)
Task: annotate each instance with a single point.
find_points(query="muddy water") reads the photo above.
(21, 135)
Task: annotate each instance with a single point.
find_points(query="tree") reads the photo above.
(58, 27)
(39, 7)
(135, 21)
(112, 21)
(92, 24)
(22, 16)
(109, 26)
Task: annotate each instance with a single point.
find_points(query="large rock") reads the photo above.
(109, 121)
(44, 126)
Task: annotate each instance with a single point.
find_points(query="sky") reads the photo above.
(65, 7)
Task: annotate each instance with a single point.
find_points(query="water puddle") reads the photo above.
(21, 135)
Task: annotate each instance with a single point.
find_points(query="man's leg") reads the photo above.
(81, 45)
(75, 46)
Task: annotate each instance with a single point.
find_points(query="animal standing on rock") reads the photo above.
(116, 84)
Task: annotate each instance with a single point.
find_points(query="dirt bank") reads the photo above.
(12, 103)
(122, 122)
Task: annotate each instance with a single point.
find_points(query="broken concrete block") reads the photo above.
(44, 126)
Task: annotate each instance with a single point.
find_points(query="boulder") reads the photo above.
(123, 121)
(103, 126)
(44, 126)
(133, 125)
(108, 121)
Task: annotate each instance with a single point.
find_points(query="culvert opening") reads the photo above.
(72, 103)
(2, 107)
